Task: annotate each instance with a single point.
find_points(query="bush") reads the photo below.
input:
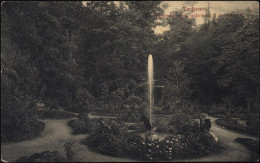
(112, 140)
(130, 116)
(55, 114)
(252, 126)
(178, 123)
(252, 123)
(70, 153)
(162, 125)
(84, 125)
(136, 126)
(55, 156)
(78, 126)
(27, 130)
(81, 125)
(45, 156)
(132, 109)
(107, 139)
(19, 83)
(216, 110)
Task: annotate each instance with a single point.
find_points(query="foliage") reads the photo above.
(19, 91)
(84, 125)
(252, 127)
(132, 109)
(54, 156)
(213, 61)
(45, 156)
(70, 153)
(55, 114)
(85, 57)
(162, 125)
(81, 125)
(138, 126)
(112, 140)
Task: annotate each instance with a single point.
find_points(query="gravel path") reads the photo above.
(52, 138)
(233, 150)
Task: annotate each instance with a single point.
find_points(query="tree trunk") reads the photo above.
(248, 106)
(228, 114)
(210, 96)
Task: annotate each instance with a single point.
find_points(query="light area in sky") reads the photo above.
(216, 7)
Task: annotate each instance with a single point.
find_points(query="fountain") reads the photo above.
(150, 86)
(154, 141)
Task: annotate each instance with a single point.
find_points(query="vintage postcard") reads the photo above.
(129, 81)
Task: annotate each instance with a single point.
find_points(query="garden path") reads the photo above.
(52, 138)
(233, 150)
(57, 131)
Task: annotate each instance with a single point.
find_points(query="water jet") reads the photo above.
(150, 86)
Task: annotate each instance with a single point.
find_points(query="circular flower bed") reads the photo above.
(114, 141)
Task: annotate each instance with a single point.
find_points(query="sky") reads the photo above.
(216, 7)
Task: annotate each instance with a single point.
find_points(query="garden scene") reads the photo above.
(118, 81)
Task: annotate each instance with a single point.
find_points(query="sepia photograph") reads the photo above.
(130, 81)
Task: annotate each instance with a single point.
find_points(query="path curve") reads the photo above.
(52, 138)
(233, 151)
(56, 130)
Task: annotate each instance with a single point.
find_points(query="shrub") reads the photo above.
(130, 116)
(78, 126)
(217, 110)
(136, 126)
(70, 153)
(162, 125)
(45, 156)
(252, 123)
(55, 156)
(81, 125)
(84, 125)
(110, 139)
(19, 83)
(252, 126)
(106, 139)
(55, 114)
(26, 130)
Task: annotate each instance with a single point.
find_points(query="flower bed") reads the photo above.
(112, 140)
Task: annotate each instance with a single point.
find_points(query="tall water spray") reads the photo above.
(150, 85)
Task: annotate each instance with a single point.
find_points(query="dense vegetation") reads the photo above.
(54, 156)
(251, 127)
(93, 58)
(112, 139)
